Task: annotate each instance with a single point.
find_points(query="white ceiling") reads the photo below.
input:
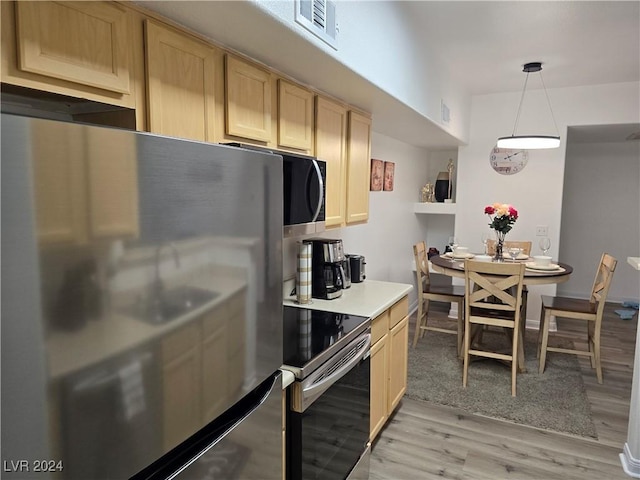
(484, 45)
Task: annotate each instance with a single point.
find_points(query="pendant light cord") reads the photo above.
(549, 103)
(544, 87)
(524, 89)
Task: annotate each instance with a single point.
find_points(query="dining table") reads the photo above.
(558, 272)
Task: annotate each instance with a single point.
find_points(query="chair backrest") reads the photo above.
(422, 265)
(524, 245)
(494, 286)
(602, 282)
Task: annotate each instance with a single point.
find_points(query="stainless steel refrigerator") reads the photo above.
(141, 305)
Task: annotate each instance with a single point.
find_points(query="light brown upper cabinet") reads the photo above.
(181, 76)
(81, 48)
(295, 117)
(358, 165)
(248, 100)
(331, 146)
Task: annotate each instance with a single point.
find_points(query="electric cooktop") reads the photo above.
(311, 337)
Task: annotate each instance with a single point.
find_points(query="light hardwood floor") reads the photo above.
(425, 441)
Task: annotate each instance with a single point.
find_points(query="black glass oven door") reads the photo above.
(327, 439)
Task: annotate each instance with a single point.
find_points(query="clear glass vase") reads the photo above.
(498, 256)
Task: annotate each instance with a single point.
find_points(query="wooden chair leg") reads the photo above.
(596, 356)
(525, 296)
(419, 317)
(540, 330)
(545, 339)
(425, 313)
(515, 359)
(521, 364)
(460, 328)
(465, 360)
(590, 342)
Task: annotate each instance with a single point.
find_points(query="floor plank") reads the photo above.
(425, 441)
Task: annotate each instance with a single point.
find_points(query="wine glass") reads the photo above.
(544, 244)
(485, 239)
(453, 243)
(514, 252)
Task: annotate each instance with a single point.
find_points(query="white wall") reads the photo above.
(386, 240)
(601, 198)
(536, 191)
(378, 41)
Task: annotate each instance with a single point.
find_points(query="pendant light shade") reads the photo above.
(529, 142)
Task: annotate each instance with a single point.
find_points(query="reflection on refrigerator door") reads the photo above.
(99, 444)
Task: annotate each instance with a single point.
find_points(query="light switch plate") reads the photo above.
(542, 231)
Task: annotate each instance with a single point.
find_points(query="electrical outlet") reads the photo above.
(542, 231)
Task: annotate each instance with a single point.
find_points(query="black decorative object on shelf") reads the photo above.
(442, 187)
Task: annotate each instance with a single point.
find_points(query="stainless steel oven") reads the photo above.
(329, 402)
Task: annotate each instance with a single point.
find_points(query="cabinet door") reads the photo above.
(181, 84)
(358, 168)
(379, 383)
(82, 42)
(248, 100)
(182, 364)
(295, 116)
(59, 179)
(331, 139)
(113, 190)
(398, 356)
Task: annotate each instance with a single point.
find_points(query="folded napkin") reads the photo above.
(635, 305)
(626, 314)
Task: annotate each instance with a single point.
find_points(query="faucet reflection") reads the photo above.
(157, 287)
(162, 305)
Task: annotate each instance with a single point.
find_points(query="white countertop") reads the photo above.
(634, 262)
(367, 299)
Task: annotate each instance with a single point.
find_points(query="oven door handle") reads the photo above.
(315, 389)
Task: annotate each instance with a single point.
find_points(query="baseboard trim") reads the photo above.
(630, 465)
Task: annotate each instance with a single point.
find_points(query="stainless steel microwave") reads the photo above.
(304, 180)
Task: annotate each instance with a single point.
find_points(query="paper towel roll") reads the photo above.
(304, 325)
(303, 274)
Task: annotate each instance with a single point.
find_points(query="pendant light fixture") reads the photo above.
(528, 142)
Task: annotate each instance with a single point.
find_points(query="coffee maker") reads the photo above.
(327, 272)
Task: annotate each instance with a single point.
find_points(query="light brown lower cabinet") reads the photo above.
(389, 353)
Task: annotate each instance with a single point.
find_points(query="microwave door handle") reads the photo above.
(323, 385)
(321, 190)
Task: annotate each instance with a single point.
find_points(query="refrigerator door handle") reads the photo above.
(228, 427)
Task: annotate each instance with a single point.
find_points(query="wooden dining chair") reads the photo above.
(428, 292)
(589, 310)
(493, 297)
(524, 245)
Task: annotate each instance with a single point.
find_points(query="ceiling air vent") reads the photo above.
(319, 17)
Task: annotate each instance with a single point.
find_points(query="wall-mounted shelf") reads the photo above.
(435, 208)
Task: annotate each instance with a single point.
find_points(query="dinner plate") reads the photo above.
(550, 267)
(522, 256)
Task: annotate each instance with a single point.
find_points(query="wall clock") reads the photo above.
(507, 161)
